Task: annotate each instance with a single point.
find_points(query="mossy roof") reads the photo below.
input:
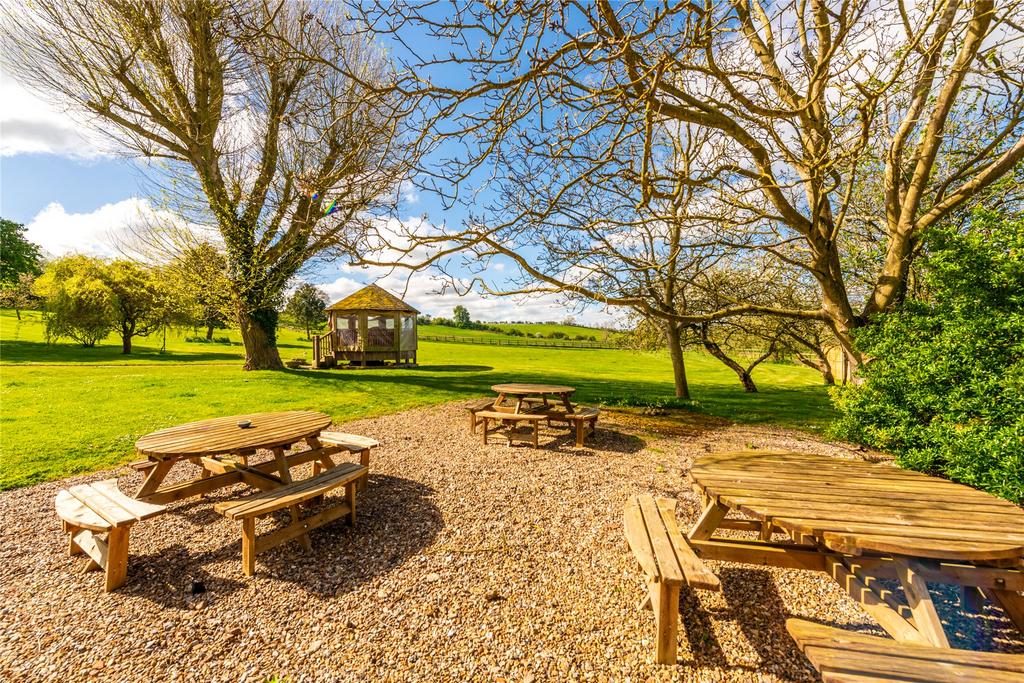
(372, 298)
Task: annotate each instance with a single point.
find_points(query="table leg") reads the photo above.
(926, 619)
(154, 478)
(708, 521)
(286, 477)
(498, 401)
(364, 460)
(519, 405)
(321, 464)
(1012, 603)
(567, 403)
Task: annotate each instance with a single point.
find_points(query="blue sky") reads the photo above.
(74, 195)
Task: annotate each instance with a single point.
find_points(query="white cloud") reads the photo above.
(31, 125)
(422, 291)
(97, 233)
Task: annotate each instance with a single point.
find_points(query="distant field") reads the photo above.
(570, 331)
(65, 409)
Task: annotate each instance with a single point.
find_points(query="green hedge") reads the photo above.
(944, 391)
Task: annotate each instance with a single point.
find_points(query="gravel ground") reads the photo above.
(467, 563)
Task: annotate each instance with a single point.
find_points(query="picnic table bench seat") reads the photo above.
(486, 416)
(843, 657)
(583, 419)
(353, 443)
(475, 406)
(668, 561)
(248, 509)
(98, 518)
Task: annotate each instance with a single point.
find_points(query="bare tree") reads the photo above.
(819, 122)
(241, 105)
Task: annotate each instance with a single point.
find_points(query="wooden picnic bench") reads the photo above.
(223, 436)
(533, 399)
(668, 561)
(290, 496)
(475, 406)
(89, 510)
(486, 416)
(584, 421)
(861, 523)
(353, 443)
(845, 657)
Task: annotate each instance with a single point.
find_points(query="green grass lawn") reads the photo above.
(65, 409)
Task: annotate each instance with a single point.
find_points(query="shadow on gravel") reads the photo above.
(396, 519)
(754, 606)
(606, 440)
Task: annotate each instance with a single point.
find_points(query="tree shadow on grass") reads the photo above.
(450, 368)
(396, 519)
(41, 352)
(800, 406)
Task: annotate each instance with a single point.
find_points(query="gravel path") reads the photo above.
(467, 563)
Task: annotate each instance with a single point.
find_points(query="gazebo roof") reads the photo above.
(372, 298)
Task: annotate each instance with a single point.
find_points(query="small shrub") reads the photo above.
(212, 340)
(637, 401)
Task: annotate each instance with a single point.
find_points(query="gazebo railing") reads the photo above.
(323, 350)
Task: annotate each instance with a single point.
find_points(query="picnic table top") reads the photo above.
(223, 435)
(525, 389)
(852, 506)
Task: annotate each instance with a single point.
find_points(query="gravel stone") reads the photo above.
(467, 563)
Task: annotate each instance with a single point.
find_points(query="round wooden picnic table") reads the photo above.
(522, 391)
(222, 435)
(201, 440)
(858, 522)
(856, 507)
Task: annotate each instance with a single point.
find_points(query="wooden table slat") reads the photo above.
(855, 506)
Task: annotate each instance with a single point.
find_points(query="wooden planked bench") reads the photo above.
(584, 420)
(668, 560)
(290, 496)
(485, 416)
(353, 443)
(89, 510)
(843, 656)
(475, 406)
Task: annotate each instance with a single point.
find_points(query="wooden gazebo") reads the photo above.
(370, 327)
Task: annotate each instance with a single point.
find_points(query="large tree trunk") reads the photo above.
(209, 332)
(259, 335)
(127, 332)
(675, 352)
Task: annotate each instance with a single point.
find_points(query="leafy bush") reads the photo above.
(212, 340)
(79, 302)
(944, 390)
(557, 335)
(638, 401)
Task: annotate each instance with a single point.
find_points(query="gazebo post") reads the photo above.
(364, 331)
(397, 338)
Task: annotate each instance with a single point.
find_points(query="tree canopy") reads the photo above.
(18, 256)
(307, 305)
(802, 131)
(260, 135)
